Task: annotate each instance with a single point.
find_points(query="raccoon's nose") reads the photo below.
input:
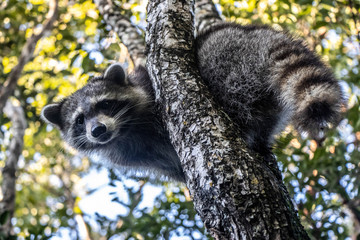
(98, 129)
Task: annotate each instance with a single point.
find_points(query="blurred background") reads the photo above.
(61, 194)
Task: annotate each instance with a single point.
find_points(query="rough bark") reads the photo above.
(27, 52)
(206, 15)
(7, 204)
(235, 192)
(127, 32)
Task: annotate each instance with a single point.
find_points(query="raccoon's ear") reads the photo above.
(51, 114)
(139, 77)
(116, 74)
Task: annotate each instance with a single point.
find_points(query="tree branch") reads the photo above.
(27, 52)
(7, 204)
(235, 193)
(127, 32)
(206, 15)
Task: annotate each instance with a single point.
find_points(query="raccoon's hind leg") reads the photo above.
(307, 89)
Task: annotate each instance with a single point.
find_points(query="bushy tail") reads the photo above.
(307, 88)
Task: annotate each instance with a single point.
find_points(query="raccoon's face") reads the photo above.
(106, 108)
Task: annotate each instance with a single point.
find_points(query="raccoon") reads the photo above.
(113, 117)
(265, 79)
(262, 78)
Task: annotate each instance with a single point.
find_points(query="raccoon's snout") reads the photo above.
(100, 133)
(98, 129)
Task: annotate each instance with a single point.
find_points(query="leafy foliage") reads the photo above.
(171, 215)
(51, 186)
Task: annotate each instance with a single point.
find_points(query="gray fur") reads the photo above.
(261, 77)
(265, 78)
(138, 141)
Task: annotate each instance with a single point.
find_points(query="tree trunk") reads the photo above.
(235, 192)
(7, 204)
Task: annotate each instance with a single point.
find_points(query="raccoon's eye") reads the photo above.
(80, 119)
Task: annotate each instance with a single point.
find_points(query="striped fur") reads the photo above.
(265, 78)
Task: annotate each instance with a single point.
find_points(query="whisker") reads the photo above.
(128, 107)
(80, 141)
(135, 123)
(132, 121)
